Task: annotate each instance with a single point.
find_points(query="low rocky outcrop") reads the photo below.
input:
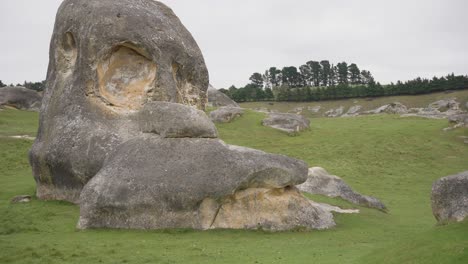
(290, 123)
(450, 198)
(353, 111)
(218, 99)
(335, 112)
(226, 114)
(20, 98)
(314, 109)
(321, 182)
(442, 109)
(393, 108)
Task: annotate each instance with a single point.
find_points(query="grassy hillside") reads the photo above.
(411, 101)
(395, 159)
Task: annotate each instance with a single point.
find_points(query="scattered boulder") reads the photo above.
(226, 114)
(393, 108)
(290, 123)
(450, 198)
(21, 199)
(218, 99)
(445, 105)
(447, 108)
(353, 111)
(20, 98)
(460, 120)
(321, 182)
(297, 110)
(335, 112)
(123, 133)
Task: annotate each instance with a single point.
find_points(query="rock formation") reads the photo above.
(226, 114)
(450, 198)
(20, 98)
(217, 98)
(393, 108)
(121, 135)
(353, 111)
(321, 182)
(290, 123)
(335, 112)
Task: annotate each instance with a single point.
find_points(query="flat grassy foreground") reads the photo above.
(395, 159)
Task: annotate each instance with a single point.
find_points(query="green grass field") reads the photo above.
(416, 101)
(395, 159)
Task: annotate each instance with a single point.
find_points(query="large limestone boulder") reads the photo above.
(197, 183)
(226, 114)
(217, 98)
(123, 132)
(450, 198)
(20, 98)
(290, 123)
(319, 181)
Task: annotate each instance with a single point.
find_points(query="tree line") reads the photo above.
(36, 86)
(315, 81)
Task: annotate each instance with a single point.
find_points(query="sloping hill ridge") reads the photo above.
(318, 109)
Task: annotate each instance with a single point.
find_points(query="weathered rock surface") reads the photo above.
(21, 199)
(99, 80)
(450, 198)
(314, 109)
(20, 98)
(226, 114)
(217, 98)
(393, 108)
(159, 118)
(321, 182)
(447, 108)
(290, 123)
(353, 111)
(121, 135)
(176, 190)
(335, 112)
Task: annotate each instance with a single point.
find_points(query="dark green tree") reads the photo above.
(342, 73)
(326, 71)
(2, 84)
(306, 74)
(257, 80)
(316, 69)
(354, 74)
(274, 76)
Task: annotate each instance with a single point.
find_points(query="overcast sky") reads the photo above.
(395, 40)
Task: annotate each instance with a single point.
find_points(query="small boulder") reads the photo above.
(445, 104)
(321, 182)
(226, 114)
(21, 199)
(450, 198)
(217, 98)
(290, 123)
(20, 98)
